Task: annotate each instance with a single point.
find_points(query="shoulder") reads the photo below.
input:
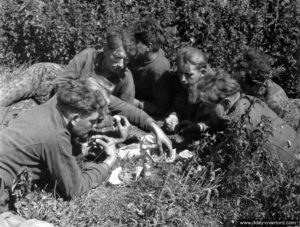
(128, 74)
(88, 50)
(274, 89)
(162, 62)
(87, 53)
(275, 96)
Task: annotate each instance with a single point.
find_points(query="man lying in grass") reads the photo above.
(110, 63)
(39, 80)
(254, 73)
(279, 141)
(40, 140)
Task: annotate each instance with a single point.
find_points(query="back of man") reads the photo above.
(23, 143)
(150, 68)
(152, 80)
(40, 140)
(283, 143)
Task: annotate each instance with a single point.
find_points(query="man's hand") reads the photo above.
(189, 127)
(123, 127)
(85, 147)
(109, 147)
(139, 104)
(161, 140)
(171, 122)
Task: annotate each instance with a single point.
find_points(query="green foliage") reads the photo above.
(224, 31)
(38, 30)
(254, 185)
(54, 31)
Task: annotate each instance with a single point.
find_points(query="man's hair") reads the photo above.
(255, 64)
(117, 38)
(75, 96)
(213, 89)
(100, 84)
(150, 32)
(191, 55)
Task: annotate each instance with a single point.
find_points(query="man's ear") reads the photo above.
(226, 103)
(150, 47)
(203, 71)
(74, 119)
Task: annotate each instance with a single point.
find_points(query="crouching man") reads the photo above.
(40, 139)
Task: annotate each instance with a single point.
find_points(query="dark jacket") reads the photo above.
(152, 82)
(283, 143)
(88, 62)
(39, 140)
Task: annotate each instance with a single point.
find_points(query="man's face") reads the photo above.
(116, 60)
(81, 126)
(190, 74)
(249, 86)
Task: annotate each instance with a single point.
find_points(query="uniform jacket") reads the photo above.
(283, 142)
(87, 63)
(39, 140)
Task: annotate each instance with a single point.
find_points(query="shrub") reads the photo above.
(254, 185)
(226, 30)
(38, 30)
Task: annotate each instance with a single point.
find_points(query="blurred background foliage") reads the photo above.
(39, 30)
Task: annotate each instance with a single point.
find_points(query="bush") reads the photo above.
(254, 184)
(35, 30)
(39, 30)
(225, 30)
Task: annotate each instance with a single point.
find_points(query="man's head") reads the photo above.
(251, 70)
(220, 92)
(149, 37)
(191, 65)
(81, 106)
(120, 46)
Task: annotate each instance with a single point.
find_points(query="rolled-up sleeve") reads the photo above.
(127, 90)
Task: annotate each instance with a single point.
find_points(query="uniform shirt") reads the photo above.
(152, 81)
(39, 140)
(276, 98)
(283, 143)
(88, 62)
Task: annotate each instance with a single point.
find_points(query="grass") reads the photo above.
(169, 198)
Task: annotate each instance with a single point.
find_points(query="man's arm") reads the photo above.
(127, 91)
(135, 115)
(64, 170)
(74, 69)
(141, 119)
